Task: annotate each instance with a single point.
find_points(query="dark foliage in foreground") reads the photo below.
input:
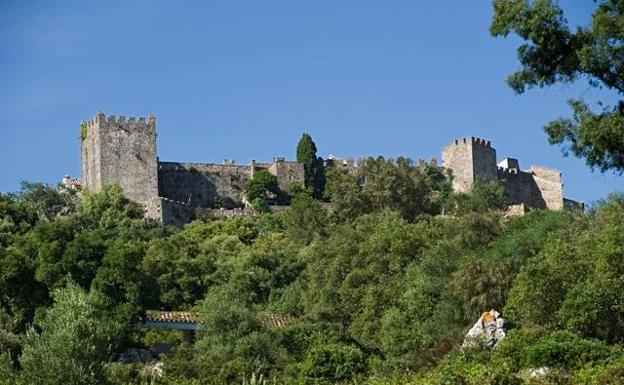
(378, 292)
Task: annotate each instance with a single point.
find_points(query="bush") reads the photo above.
(332, 362)
(563, 349)
(527, 349)
(260, 206)
(72, 346)
(609, 374)
(263, 185)
(484, 196)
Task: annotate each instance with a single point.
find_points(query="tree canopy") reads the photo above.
(379, 289)
(554, 52)
(313, 165)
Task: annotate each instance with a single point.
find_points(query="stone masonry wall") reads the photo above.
(458, 159)
(287, 172)
(469, 159)
(121, 151)
(521, 188)
(548, 181)
(90, 157)
(484, 160)
(202, 184)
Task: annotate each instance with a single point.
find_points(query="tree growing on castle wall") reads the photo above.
(554, 53)
(485, 196)
(261, 187)
(386, 184)
(306, 154)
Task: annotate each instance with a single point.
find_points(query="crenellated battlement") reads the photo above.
(472, 139)
(116, 149)
(504, 172)
(122, 150)
(120, 121)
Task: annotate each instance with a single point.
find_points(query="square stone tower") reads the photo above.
(116, 150)
(469, 159)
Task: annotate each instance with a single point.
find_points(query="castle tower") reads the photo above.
(116, 150)
(469, 159)
(548, 181)
(287, 172)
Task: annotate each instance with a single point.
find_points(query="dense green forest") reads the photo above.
(381, 289)
(380, 274)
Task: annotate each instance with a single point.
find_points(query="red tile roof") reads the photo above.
(276, 321)
(171, 316)
(268, 320)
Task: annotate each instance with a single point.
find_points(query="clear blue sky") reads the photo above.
(243, 79)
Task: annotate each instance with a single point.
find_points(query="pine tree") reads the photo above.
(306, 154)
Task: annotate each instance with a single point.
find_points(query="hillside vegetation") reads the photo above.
(381, 290)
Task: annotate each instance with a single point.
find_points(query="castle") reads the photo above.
(123, 151)
(471, 159)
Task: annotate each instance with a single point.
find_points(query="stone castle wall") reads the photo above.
(483, 159)
(202, 184)
(116, 150)
(90, 156)
(471, 159)
(123, 151)
(287, 172)
(521, 188)
(548, 181)
(179, 214)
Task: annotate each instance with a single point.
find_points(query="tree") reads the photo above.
(121, 288)
(233, 339)
(485, 196)
(262, 186)
(16, 217)
(184, 263)
(343, 190)
(47, 201)
(110, 209)
(384, 184)
(394, 184)
(553, 53)
(306, 219)
(306, 154)
(72, 346)
(330, 362)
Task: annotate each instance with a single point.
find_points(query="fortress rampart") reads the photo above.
(471, 159)
(116, 149)
(119, 150)
(203, 184)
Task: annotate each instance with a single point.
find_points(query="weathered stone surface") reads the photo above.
(287, 172)
(116, 150)
(123, 151)
(202, 184)
(489, 330)
(471, 159)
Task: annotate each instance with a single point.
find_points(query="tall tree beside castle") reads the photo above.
(306, 154)
(553, 53)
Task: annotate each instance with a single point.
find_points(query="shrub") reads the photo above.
(332, 362)
(263, 185)
(73, 344)
(558, 349)
(83, 131)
